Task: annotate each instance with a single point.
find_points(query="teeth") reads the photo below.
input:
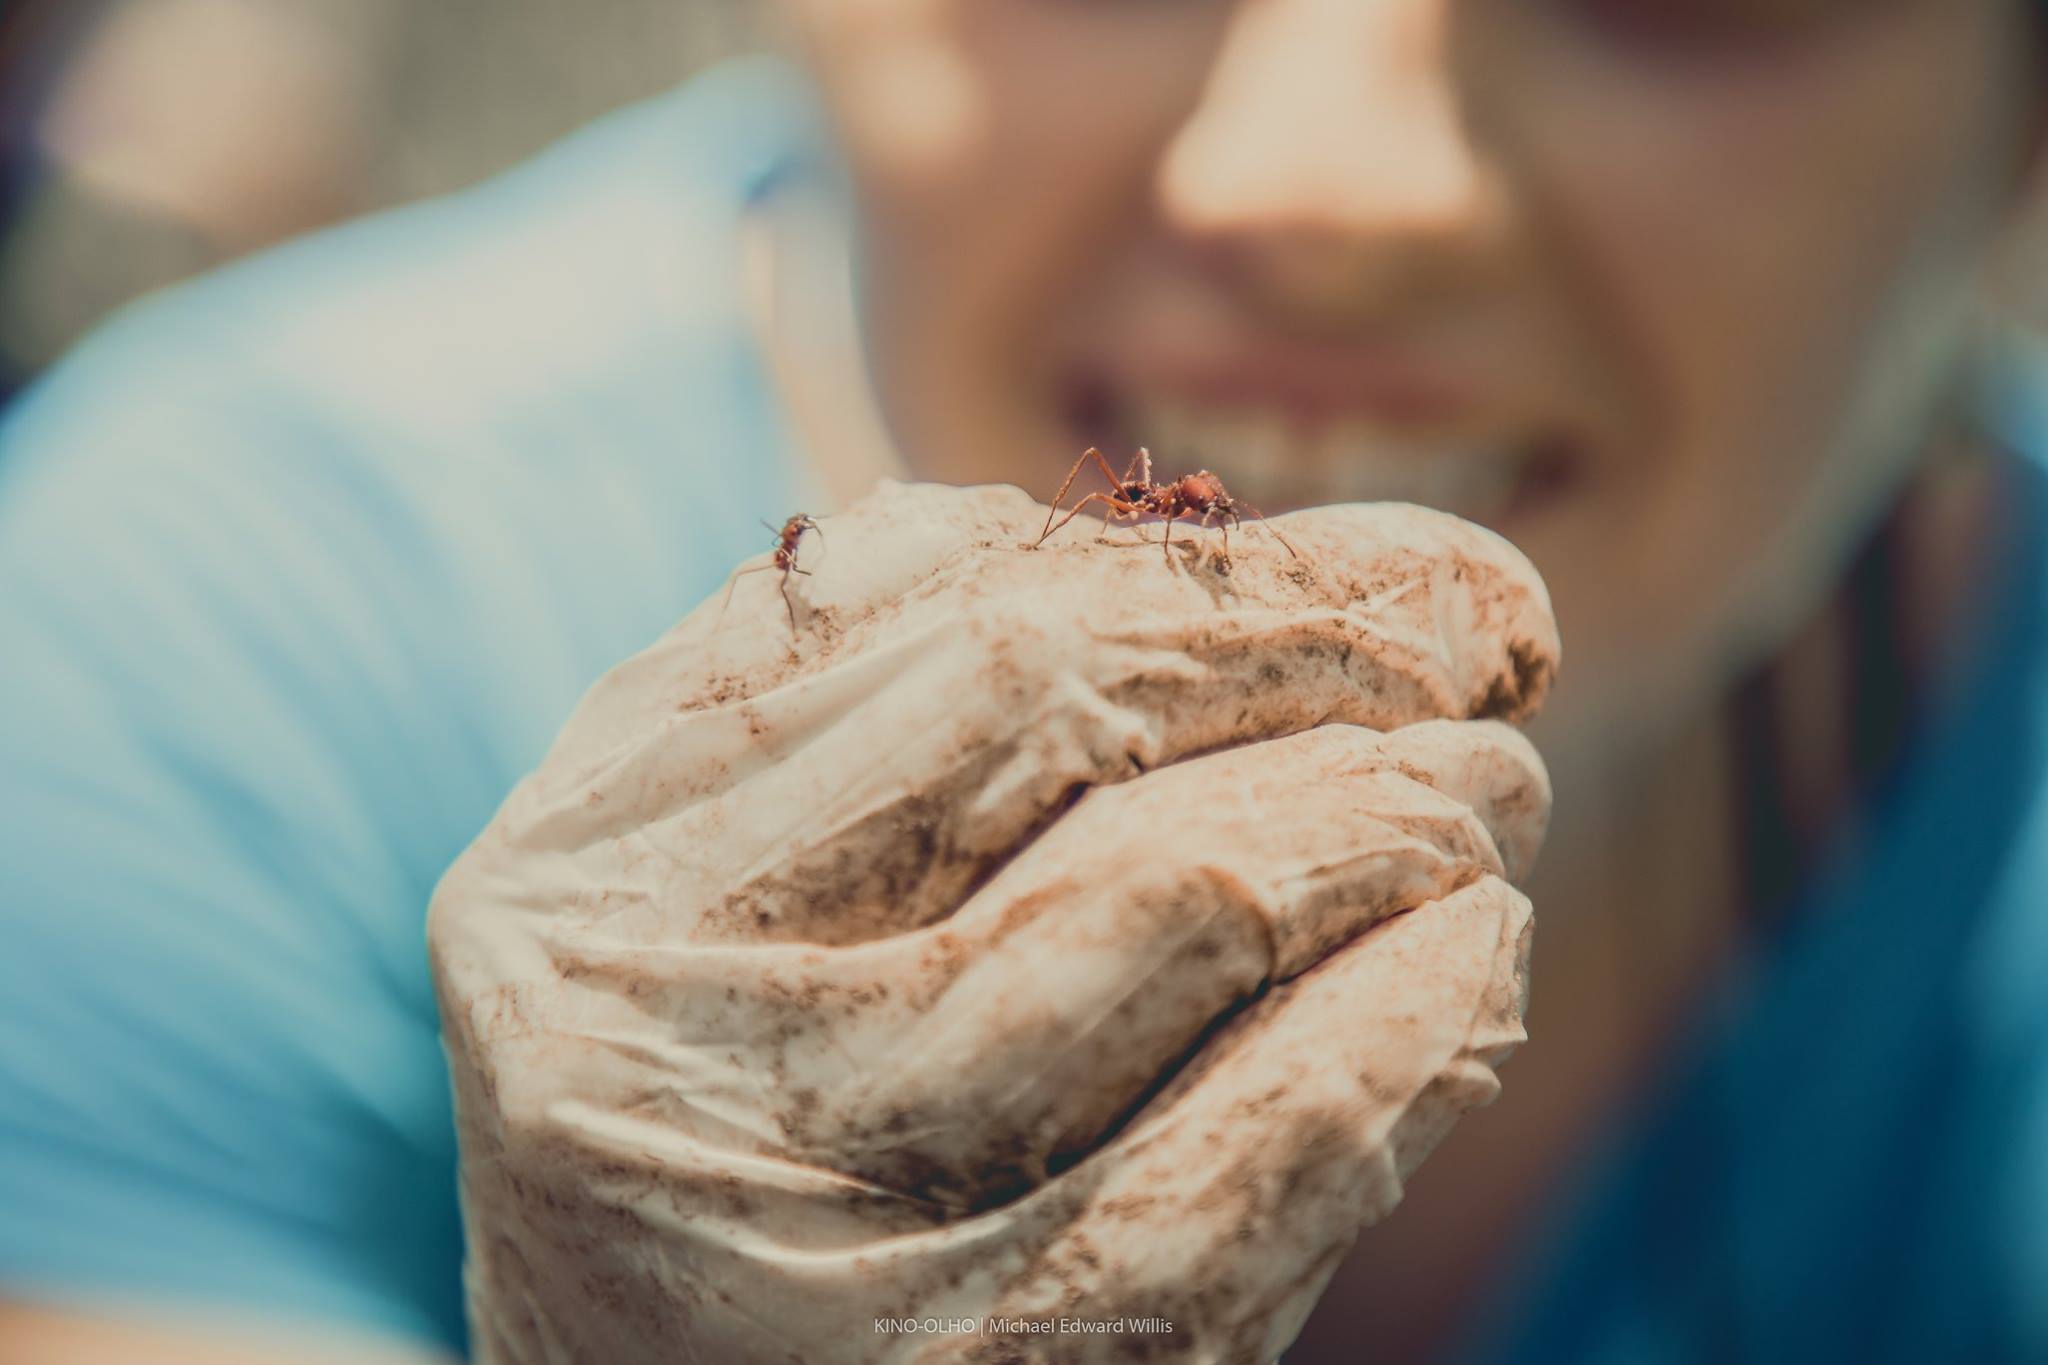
(1266, 458)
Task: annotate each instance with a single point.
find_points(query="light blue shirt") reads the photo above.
(1850, 1160)
(300, 569)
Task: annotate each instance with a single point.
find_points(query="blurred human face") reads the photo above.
(1666, 291)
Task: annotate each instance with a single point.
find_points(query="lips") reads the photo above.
(1274, 459)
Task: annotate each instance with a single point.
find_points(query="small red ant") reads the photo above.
(784, 558)
(1201, 495)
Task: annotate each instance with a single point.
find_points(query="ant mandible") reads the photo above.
(1200, 494)
(784, 558)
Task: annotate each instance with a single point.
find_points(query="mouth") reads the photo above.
(1272, 458)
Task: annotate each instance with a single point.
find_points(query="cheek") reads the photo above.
(1057, 112)
(1746, 229)
(1747, 243)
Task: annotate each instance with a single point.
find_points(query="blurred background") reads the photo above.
(144, 140)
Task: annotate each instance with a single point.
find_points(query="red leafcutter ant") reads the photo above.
(1199, 495)
(784, 558)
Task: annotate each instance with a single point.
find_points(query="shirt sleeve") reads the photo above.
(233, 759)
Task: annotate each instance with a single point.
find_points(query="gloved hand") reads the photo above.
(1029, 933)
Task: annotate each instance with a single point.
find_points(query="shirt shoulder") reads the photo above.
(2004, 1116)
(605, 255)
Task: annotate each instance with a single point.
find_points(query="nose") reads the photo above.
(1327, 164)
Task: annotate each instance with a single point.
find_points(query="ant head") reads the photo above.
(806, 522)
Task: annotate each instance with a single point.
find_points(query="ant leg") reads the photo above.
(1141, 463)
(1261, 518)
(734, 583)
(1123, 512)
(789, 602)
(1118, 506)
(1101, 462)
(1061, 496)
(1216, 517)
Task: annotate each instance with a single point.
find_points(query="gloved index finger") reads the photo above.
(1435, 588)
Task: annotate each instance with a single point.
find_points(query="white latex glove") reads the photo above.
(1034, 933)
